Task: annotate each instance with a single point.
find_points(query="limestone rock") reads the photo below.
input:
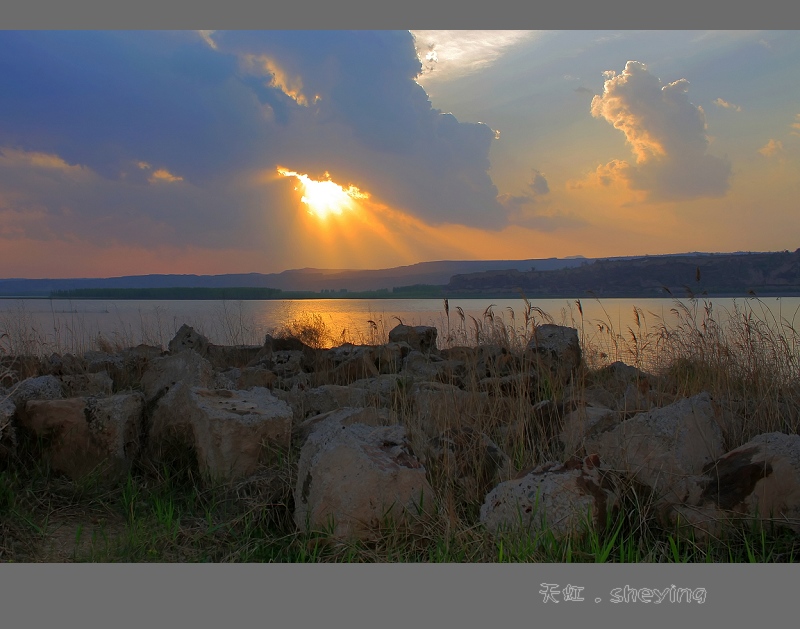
(556, 347)
(250, 377)
(356, 476)
(187, 338)
(87, 434)
(432, 368)
(66, 365)
(345, 416)
(88, 384)
(421, 337)
(40, 388)
(231, 432)
(326, 398)
(759, 480)
(586, 422)
(163, 373)
(663, 447)
(554, 496)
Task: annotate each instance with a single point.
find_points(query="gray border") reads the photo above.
(416, 14)
(388, 595)
(382, 595)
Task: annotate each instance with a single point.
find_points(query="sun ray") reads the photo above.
(325, 197)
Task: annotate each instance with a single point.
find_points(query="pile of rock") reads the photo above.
(375, 426)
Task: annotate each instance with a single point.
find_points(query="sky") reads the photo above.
(210, 152)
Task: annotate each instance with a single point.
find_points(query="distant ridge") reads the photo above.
(534, 276)
(307, 279)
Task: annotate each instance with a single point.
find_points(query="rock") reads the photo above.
(231, 432)
(759, 480)
(88, 434)
(347, 363)
(66, 365)
(586, 422)
(227, 356)
(421, 337)
(324, 399)
(40, 388)
(97, 384)
(554, 497)
(594, 395)
(345, 416)
(636, 398)
(187, 338)
(556, 347)
(163, 373)
(432, 368)
(250, 377)
(286, 363)
(663, 447)
(352, 478)
(520, 385)
(103, 361)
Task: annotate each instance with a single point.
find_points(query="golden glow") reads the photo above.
(162, 174)
(325, 197)
(290, 85)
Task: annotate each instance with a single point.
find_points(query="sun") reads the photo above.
(324, 197)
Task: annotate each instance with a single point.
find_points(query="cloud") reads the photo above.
(773, 147)
(666, 133)
(534, 210)
(538, 183)
(447, 55)
(721, 103)
(583, 90)
(161, 139)
(796, 125)
(163, 175)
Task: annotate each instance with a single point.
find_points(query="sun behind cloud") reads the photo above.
(325, 197)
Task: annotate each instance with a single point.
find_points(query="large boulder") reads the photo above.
(39, 388)
(583, 423)
(662, 448)
(420, 337)
(88, 434)
(355, 478)
(759, 480)
(187, 338)
(345, 416)
(556, 497)
(88, 384)
(231, 432)
(555, 347)
(432, 368)
(324, 399)
(164, 373)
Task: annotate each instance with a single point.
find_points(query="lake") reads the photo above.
(53, 325)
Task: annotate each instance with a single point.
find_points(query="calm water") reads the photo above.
(63, 325)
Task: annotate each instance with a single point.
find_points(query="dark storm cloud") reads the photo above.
(164, 126)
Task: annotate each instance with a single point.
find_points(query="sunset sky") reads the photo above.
(208, 152)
